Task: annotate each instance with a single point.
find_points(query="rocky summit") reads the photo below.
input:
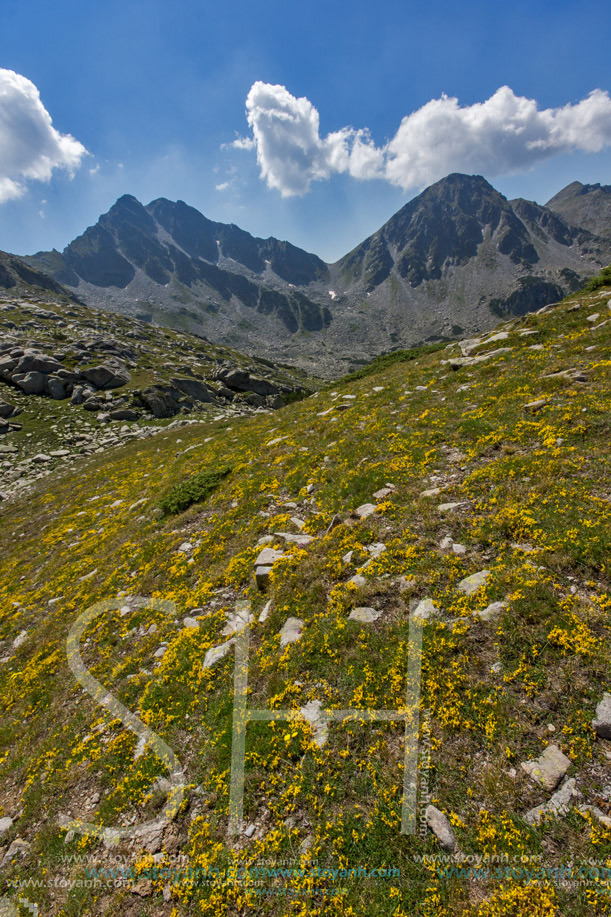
(450, 263)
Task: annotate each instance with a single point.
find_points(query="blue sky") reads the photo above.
(156, 93)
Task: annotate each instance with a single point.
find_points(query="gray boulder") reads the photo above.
(195, 389)
(241, 381)
(77, 395)
(6, 409)
(160, 401)
(124, 414)
(55, 388)
(32, 383)
(602, 722)
(34, 362)
(107, 375)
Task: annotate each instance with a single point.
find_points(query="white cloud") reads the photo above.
(30, 147)
(504, 134)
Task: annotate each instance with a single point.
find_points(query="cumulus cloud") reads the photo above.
(30, 147)
(504, 134)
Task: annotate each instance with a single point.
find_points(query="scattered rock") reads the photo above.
(471, 584)
(597, 813)
(432, 492)
(426, 609)
(364, 615)
(492, 612)
(534, 406)
(291, 631)
(441, 828)
(558, 806)
(602, 721)
(217, 652)
(6, 824)
(316, 717)
(367, 509)
(549, 768)
(448, 507)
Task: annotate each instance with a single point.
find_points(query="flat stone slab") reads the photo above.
(291, 538)
(557, 806)
(6, 824)
(364, 615)
(291, 631)
(602, 721)
(432, 492)
(267, 557)
(471, 584)
(448, 507)
(367, 509)
(549, 768)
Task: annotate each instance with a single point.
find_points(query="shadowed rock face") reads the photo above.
(445, 225)
(451, 261)
(172, 242)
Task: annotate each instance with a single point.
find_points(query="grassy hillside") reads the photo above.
(520, 442)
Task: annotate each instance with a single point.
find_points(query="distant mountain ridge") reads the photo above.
(585, 205)
(451, 261)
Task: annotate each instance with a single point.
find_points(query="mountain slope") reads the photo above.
(20, 277)
(74, 381)
(450, 262)
(585, 205)
(471, 484)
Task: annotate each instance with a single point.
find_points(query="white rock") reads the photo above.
(367, 509)
(558, 805)
(597, 813)
(265, 612)
(190, 623)
(217, 652)
(375, 549)
(19, 639)
(291, 631)
(459, 548)
(364, 615)
(549, 768)
(446, 543)
(432, 492)
(492, 611)
(441, 828)
(602, 721)
(472, 583)
(448, 507)
(357, 580)
(318, 720)
(236, 620)
(426, 609)
(6, 824)
(535, 406)
(267, 557)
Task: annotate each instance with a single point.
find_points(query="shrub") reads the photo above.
(195, 489)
